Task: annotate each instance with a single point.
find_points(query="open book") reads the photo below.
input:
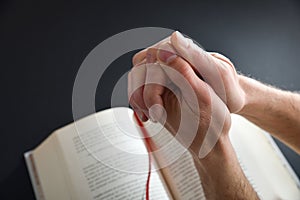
(108, 160)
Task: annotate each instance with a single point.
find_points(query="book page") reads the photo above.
(48, 170)
(262, 162)
(177, 164)
(97, 170)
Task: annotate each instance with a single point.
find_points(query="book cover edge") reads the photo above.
(33, 175)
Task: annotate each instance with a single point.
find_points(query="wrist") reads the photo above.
(222, 175)
(221, 152)
(252, 94)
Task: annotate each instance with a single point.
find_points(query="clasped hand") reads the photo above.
(190, 91)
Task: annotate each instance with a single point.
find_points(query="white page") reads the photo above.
(49, 173)
(90, 176)
(261, 163)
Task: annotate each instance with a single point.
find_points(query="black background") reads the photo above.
(43, 44)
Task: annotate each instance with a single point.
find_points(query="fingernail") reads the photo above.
(150, 58)
(166, 56)
(182, 41)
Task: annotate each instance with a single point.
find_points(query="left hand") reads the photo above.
(204, 113)
(216, 70)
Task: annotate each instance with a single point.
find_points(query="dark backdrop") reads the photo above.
(44, 42)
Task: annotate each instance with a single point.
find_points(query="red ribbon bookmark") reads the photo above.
(147, 140)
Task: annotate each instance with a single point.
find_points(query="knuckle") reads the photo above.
(224, 69)
(151, 55)
(206, 101)
(138, 57)
(135, 58)
(226, 72)
(223, 59)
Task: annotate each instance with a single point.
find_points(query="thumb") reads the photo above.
(182, 75)
(205, 64)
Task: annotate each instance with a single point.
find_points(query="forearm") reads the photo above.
(221, 174)
(274, 110)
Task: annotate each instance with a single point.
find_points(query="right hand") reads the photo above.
(216, 70)
(213, 118)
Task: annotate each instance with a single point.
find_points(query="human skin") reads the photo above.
(273, 110)
(220, 172)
